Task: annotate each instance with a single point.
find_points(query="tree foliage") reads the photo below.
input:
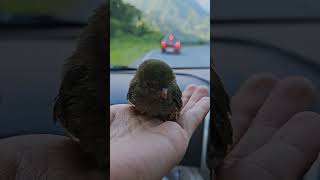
(126, 19)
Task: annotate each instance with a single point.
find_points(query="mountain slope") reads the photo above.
(185, 18)
(205, 4)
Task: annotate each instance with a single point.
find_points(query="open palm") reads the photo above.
(148, 147)
(272, 132)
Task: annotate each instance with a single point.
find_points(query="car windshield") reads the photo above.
(31, 12)
(142, 29)
(271, 9)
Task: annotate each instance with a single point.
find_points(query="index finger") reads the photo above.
(187, 93)
(191, 119)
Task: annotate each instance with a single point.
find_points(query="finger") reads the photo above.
(293, 149)
(248, 100)
(200, 91)
(191, 119)
(289, 96)
(186, 94)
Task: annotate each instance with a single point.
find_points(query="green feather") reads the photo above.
(146, 87)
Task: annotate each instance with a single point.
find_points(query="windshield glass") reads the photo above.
(271, 9)
(175, 31)
(38, 11)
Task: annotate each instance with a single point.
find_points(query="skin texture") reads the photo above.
(268, 143)
(154, 91)
(147, 137)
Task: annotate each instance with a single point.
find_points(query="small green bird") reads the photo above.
(154, 91)
(220, 132)
(81, 105)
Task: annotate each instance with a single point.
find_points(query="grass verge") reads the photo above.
(125, 49)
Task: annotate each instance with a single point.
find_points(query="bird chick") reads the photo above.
(154, 91)
(81, 105)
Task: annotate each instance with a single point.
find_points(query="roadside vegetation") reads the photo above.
(130, 37)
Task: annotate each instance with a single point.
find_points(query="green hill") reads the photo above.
(130, 36)
(187, 19)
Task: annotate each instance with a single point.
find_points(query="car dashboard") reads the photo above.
(31, 67)
(281, 47)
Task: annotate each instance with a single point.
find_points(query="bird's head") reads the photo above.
(156, 76)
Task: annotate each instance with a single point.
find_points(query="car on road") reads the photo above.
(170, 44)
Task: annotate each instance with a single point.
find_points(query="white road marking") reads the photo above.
(147, 55)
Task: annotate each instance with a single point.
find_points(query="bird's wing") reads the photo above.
(220, 126)
(81, 105)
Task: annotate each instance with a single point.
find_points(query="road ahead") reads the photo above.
(192, 56)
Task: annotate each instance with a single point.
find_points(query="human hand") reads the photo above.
(147, 148)
(153, 145)
(274, 138)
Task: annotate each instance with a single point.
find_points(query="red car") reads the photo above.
(170, 44)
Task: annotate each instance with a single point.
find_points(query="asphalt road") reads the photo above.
(192, 56)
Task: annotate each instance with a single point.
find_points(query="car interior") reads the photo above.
(32, 52)
(31, 64)
(31, 59)
(266, 37)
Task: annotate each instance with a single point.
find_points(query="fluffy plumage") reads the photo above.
(81, 105)
(220, 136)
(154, 90)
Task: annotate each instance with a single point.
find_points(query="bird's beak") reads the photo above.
(164, 93)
